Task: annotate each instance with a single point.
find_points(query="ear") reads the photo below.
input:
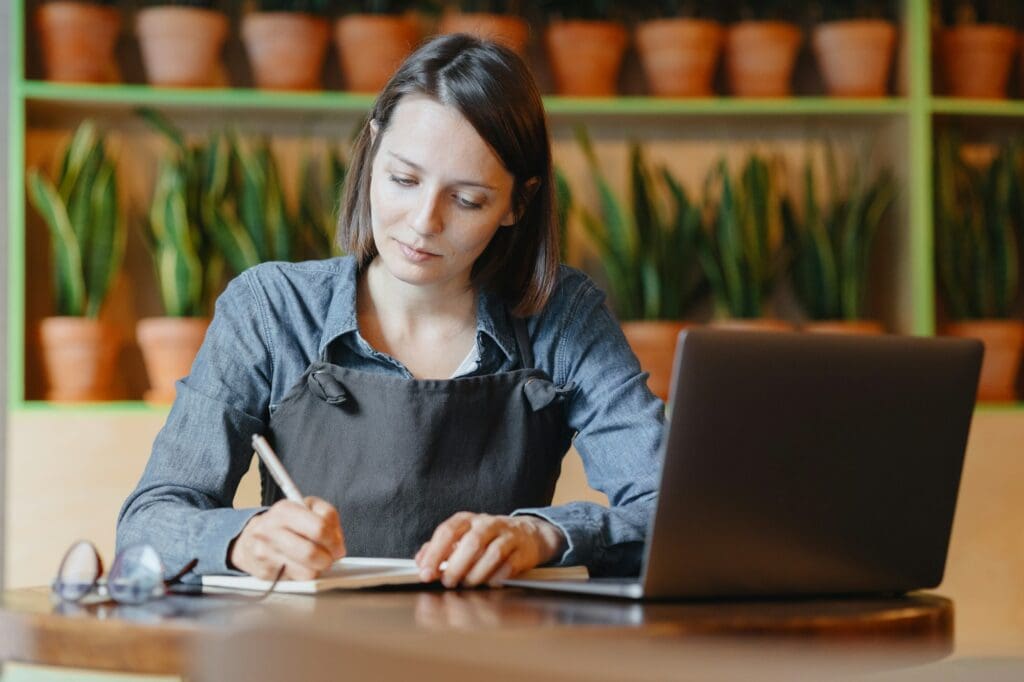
(374, 129)
(529, 189)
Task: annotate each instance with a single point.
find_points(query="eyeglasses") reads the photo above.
(136, 576)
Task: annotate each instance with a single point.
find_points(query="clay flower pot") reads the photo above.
(79, 354)
(679, 55)
(976, 59)
(510, 31)
(760, 56)
(855, 56)
(169, 345)
(861, 327)
(654, 344)
(286, 49)
(77, 41)
(586, 56)
(181, 45)
(371, 47)
(1004, 344)
(753, 324)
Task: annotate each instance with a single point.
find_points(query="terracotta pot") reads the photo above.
(760, 56)
(510, 31)
(976, 60)
(855, 56)
(77, 41)
(79, 355)
(753, 324)
(586, 56)
(371, 47)
(861, 327)
(169, 345)
(181, 46)
(654, 343)
(679, 55)
(286, 49)
(1004, 344)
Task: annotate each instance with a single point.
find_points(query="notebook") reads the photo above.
(352, 573)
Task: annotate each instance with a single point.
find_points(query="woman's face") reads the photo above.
(438, 193)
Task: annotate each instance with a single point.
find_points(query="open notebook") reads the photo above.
(352, 573)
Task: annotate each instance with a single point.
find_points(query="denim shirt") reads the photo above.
(275, 319)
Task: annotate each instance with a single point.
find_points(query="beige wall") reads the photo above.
(68, 475)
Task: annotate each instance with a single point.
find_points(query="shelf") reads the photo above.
(978, 107)
(127, 96)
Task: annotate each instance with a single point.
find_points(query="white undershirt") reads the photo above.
(470, 364)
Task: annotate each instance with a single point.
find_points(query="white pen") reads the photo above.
(276, 469)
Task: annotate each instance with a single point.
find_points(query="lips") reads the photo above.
(413, 254)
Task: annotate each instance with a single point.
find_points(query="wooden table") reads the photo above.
(168, 636)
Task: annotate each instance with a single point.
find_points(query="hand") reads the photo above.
(306, 540)
(482, 548)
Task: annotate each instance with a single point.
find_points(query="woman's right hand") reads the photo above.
(306, 540)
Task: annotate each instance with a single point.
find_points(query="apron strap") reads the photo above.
(523, 341)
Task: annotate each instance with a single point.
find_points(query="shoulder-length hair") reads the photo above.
(494, 90)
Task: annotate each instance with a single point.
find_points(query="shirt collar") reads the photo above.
(492, 316)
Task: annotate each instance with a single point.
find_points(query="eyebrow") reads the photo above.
(471, 183)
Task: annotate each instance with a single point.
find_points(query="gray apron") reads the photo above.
(398, 456)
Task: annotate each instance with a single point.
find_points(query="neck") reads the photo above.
(412, 308)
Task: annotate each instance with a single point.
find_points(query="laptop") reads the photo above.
(804, 464)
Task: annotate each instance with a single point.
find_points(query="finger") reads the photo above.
(300, 520)
(472, 545)
(300, 550)
(441, 543)
(503, 573)
(335, 542)
(490, 560)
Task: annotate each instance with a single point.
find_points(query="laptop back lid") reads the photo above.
(810, 463)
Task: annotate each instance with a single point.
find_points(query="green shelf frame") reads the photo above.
(918, 109)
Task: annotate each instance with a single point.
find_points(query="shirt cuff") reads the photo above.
(219, 528)
(581, 546)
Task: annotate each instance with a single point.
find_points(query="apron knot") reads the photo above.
(324, 386)
(540, 392)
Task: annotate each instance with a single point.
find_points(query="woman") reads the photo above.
(423, 389)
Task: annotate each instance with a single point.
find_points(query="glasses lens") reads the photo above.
(137, 575)
(78, 572)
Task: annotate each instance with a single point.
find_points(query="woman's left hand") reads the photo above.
(480, 548)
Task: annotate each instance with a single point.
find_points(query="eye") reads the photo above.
(467, 203)
(401, 180)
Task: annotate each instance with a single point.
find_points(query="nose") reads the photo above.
(427, 219)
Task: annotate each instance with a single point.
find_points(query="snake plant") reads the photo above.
(189, 269)
(87, 235)
(563, 208)
(742, 252)
(976, 242)
(650, 258)
(831, 242)
(321, 179)
(966, 12)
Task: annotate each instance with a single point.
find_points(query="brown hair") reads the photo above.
(493, 89)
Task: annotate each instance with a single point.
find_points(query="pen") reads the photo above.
(276, 469)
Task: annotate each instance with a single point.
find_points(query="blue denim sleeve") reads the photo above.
(619, 425)
(183, 502)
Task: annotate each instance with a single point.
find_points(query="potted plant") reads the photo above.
(373, 38)
(491, 19)
(978, 42)
(649, 257)
(181, 42)
(77, 40)
(743, 251)
(563, 209)
(761, 47)
(188, 269)
(679, 47)
(832, 242)
(585, 47)
(87, 236)
(316, 224)
(978, 259)
(854, 44)
(286, 41)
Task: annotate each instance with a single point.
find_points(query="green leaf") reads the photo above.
(67, 256)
